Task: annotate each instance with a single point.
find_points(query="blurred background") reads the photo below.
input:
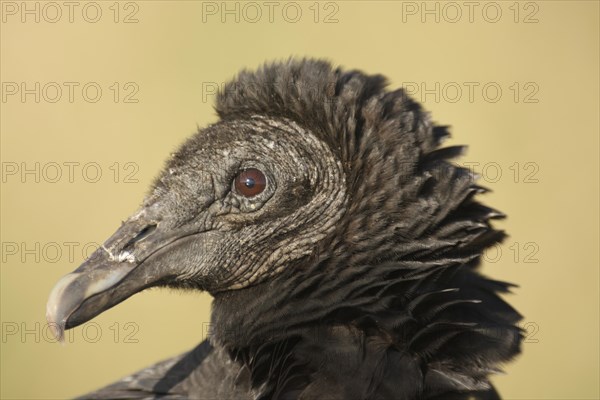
(96, 95)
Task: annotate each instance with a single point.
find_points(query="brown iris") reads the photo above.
(250, 182)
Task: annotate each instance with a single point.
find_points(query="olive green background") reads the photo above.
(541, 138)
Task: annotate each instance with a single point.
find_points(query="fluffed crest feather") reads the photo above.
(400, 184)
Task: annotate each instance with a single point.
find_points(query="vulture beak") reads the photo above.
(131, 260)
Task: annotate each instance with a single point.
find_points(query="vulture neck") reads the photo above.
(373, 322)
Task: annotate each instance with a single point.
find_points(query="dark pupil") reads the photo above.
(249, 182)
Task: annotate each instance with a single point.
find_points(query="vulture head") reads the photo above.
(329, 225)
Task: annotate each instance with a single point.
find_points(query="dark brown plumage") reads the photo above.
(349, 272)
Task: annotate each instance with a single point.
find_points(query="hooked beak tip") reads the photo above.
(75, 290)
(56, 312)
(107, 277)
(58, 331)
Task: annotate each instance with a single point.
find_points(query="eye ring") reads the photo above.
(250, 182)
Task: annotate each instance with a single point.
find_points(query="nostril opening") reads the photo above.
(144, 232)
(140, 236)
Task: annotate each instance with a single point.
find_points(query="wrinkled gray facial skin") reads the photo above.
(195, 230)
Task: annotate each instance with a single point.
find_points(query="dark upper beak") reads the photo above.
(114, 272)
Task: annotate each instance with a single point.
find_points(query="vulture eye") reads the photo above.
(250, 182)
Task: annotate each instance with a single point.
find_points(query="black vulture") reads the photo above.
(340, 244)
